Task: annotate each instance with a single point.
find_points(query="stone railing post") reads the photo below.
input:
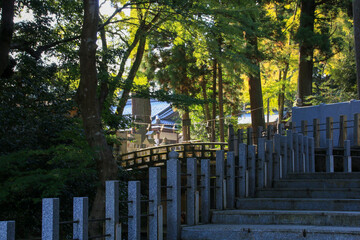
(240, 135)
(81, 215)
(249, 136)
(231, 135)
(269, 132)
(284, 157)
(236, 145)
(269, 148)
(50, 218)
(260, 129)
(7, 230)
(205, 190)
(329, 156)
(154, 201)
(290, 150)
(160, 224)
(230, 180)
(173, 196)
(311, 155)
(306, 166)
(347, 157)
(296, 152)
(197, 207)
(277, 164)
(134, 221)
(242, 164)
(260, 174)
(301, 153)
(343, 130)
(191, 170)
(220, 168)
(356, 129)
(112, 209)
(252, 170)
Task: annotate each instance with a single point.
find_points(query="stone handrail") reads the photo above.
(231, 177)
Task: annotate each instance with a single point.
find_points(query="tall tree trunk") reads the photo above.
(306, 30)
(281, 99)
(6, 32)
(255, 91)
(213, 122)
(206, 106)
(221, 95)
(141, 111)
(90, 111)
(221, 105)
(256, 101)
(356, 14)
(186, 125)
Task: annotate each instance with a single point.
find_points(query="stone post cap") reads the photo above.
(173, 155)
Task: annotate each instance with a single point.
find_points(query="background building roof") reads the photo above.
(161, 109)
(246, 118)
(156, 107)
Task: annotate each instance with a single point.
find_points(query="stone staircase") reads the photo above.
(304, 206)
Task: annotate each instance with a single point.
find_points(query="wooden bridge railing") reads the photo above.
(156, 156)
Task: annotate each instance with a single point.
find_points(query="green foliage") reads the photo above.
(339, 87)
(199, 128)
(33, 108)
(43, 152)
(65, 171)
(334, 79)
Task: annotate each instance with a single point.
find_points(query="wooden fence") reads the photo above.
(345, 130)
(157, 156)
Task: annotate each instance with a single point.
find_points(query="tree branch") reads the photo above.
(130, 79)
(118, 10)
(36, 54)
(104, 87)
(113, 15)
(6, 32)
(24, 46)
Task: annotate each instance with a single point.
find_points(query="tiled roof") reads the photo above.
(165, 122)
(157, 107)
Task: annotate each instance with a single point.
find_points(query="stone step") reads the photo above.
(298, 204)
(287, 217)
(334, 193)
(274, 232)
(317, 183)
(323, 175)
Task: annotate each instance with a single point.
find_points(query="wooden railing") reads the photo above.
(345, 128)
(156, 156)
